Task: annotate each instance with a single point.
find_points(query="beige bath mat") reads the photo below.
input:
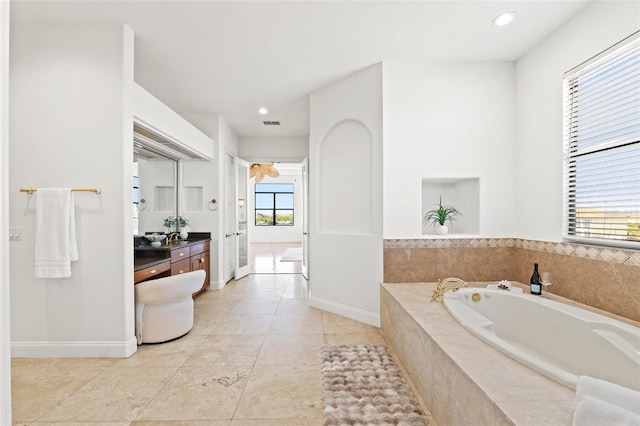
(361, 385)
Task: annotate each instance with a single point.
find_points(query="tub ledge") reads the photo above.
(461, 379)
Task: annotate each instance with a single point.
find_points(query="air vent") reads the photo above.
(271, 123)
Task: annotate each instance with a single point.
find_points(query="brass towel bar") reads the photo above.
(94, 190)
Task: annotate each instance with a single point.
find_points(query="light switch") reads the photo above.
(15, 233)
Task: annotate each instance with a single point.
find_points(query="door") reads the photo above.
(242, 230)
(305, 218)
(229, 218)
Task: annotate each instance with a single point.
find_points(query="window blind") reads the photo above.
(602, 148)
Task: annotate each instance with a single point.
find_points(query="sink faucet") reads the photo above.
(442, 287)
(173, 236)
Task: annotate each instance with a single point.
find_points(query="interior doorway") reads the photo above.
(275, 258)
(275, 206)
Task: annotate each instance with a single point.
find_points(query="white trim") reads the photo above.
(74, 349)
(5, 300)
(217, 285)
(586, 65)
(619, 244)
(356, 314)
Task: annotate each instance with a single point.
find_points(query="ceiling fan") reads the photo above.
(260, 170)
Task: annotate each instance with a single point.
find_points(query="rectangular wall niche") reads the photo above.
(165, 199)
(192, 199)
(461, 193)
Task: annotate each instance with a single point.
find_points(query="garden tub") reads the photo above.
(557, 340)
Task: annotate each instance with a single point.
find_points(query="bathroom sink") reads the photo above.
(178, 243)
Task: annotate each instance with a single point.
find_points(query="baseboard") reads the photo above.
(356, 314)
(216, 285)
(74, 349)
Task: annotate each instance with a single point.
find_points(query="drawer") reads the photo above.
(199, 248)
(179, 254)
(151, 271)
(181, 267)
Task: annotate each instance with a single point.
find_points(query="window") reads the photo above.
(602, 148)
(274, 204)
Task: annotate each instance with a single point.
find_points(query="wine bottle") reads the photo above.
(536, 286)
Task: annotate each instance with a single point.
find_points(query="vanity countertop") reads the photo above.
(140, 263)
(145, 255)
(146, 246)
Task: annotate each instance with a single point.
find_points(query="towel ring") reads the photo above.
(213, 205)
(142, 204)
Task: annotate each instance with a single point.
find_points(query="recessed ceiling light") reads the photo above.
(504, 19)
(263, 110)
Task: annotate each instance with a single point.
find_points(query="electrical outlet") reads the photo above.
(15, 233)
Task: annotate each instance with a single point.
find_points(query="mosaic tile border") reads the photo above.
(453, 242)
(605, 254)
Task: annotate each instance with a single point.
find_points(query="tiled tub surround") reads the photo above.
(461, 379)
(606, 278)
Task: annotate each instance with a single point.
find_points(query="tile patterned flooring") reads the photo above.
(264, 258)
(252, 359)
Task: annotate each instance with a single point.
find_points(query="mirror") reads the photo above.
(156, 186)
(155, 192)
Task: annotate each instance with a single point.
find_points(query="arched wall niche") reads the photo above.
(345, 183)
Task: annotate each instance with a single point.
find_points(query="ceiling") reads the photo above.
(232, 57)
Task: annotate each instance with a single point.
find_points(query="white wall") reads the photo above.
(210, 221)
(289, 173)
(539, 109)
(71, 126)
(5, 352)
(285, 149)
(225, 141)
(345, 196)
(156, 116)
(448, 120)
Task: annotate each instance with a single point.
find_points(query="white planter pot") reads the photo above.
(442, 230)
(184, 234)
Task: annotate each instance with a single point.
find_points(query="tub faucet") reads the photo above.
(442, 287)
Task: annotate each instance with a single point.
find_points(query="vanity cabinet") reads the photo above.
(191, 258)
(200, 259)
(180, 260)
(156, 270)
(173, 259)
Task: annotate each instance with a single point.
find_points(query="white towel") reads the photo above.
(591, 411)
(612, 393)
(56, 243)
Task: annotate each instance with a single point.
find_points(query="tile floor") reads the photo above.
(252, 359)
(264, 258)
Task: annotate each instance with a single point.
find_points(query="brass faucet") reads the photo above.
(441, 289)
(173, 236)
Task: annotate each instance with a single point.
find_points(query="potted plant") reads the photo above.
(182, 224)
(439, 216)
(168, 223)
